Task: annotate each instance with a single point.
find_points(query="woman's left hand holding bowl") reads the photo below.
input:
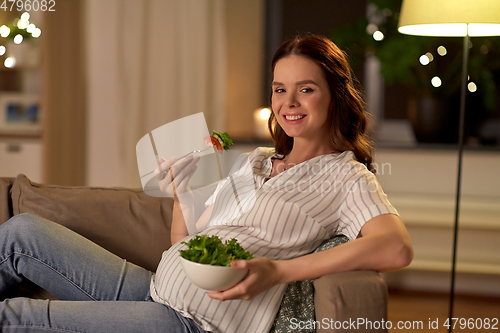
(263, 273)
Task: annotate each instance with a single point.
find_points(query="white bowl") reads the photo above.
(212, 278)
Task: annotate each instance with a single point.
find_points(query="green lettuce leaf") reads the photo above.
(210, 250)
(225, 139)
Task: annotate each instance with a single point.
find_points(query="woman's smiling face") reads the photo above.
(301, 98)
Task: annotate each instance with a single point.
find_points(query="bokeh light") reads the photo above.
(436, 82)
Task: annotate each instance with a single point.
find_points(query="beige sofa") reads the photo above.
(136, 227)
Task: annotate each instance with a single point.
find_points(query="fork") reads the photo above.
(194, 152)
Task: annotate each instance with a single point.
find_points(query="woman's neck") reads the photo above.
(304, 150)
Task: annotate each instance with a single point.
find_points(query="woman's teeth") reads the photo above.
(294, 117)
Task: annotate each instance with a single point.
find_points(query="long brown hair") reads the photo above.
(347, 117)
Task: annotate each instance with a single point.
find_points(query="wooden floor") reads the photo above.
(427, 312)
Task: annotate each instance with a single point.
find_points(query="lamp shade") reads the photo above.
(450, 17)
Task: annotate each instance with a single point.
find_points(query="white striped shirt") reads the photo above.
(286, 216)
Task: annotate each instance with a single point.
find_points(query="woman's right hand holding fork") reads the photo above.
(173, 175)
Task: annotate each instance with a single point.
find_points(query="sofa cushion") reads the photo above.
(5, 200)
(127, 222)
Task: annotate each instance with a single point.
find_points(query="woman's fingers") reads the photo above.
(163, 165)
(181, 179)
(181, 169)
(262, 275)
(177, 174)
(181, 186)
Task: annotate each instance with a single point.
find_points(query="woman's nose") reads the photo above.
(291, 101)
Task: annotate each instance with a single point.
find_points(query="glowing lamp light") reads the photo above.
(265, 113)
(31, 27)
(424, 60)
(378, 35)
(436, 82)
(36, 33)
(260, 118)
(25, 16)
(450, 18)
(451, 29)
(442, 51)
(472, 87)
(2, 50)
(21, 24)
(4, 31)
(18, 39)
(9, 62)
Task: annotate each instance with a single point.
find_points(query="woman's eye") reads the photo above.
(306, 90)
(279, 90)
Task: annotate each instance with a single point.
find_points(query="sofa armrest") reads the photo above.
(348, 296)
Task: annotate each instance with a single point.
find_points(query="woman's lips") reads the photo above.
(294, 119)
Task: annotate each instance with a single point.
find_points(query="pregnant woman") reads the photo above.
(315, 183)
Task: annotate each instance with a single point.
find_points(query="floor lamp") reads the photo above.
(452, 18)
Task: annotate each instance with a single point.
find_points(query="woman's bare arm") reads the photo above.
(201, 224)
(383, 245)
(178, 229)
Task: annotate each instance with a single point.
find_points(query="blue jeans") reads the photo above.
(78, 272)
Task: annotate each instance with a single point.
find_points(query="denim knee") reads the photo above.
(22, 224)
